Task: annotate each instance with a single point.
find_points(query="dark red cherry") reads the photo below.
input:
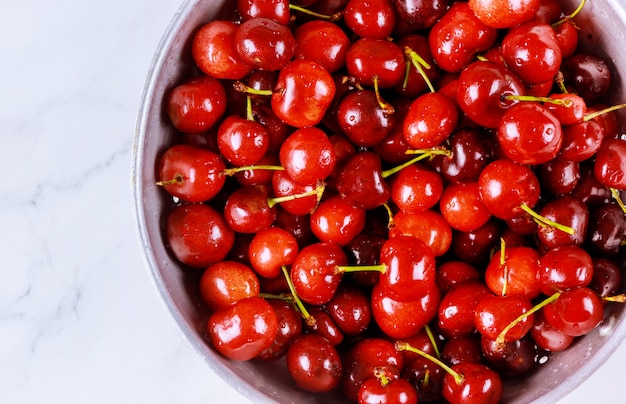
(607, 229)
(363, 120)
(421, 14)
(588, 75)
(559, 177)
(314, 364)
(289, 327)
(360, 181)
(469, 155)
(475, 247)
(451, 273)
(566, 211)
(512, 358)
(607, 278)
(324, 325)
(351, 310)
(264, 43)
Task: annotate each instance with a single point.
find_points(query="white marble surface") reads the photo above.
(80, 321)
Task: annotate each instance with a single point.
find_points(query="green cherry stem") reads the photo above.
(505, 269)
(235, 170)
(382, 268)
(545, 221)
(405, 346)
(615, 194)
(564, 103)
(318, 191)
(501, 337)
(384, 105)
(332, 17)
(432, 339)
(420, 64)
(242, 88)
(178, 179)
(596, 114)
(570, 16)
(308, 318)
(423, 154)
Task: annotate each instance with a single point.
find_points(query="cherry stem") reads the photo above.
(423, 154)
(390, 223)
(178, 179)
(386, 107)
(382, 268)
(570, 16)
(432, 339)
(621, 298)
(420, 64)
(249, 115)
(333, 17)
(405, 346)
(618, 199)
(381, 376)
(317, 192)
(310, 320)
(288, 297)
(501, 337)
(545, 221)
(596, 114)
(242, 88)
(235, 170)
(560, 81)
(564, 103)
(505, 269)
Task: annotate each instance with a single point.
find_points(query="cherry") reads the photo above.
(567, 35)
(191, 173)
(416, 188)
(431, 118)
(247, 210)
(607, 226)
(547, 337)
(428, 226)
(563, 268)
(198, 235)
(227, 282)
(421, 14)
(213, 50)
(576, 312)
(289, 327)
(325, 326)
(477, 383)
(463, 349)
(363, 120)
(370, 18)
(494, 314)
(403, 319)
(277, 130)
(360, 181)
(607, 278)
(532, 51)
(458, 36)
(197, 104)
(514, 271)
(483, 88)
(314, 272)
(351, 310)
(529, 134)
(304, 91)
(284, 186)
(255, 174)
(462, 207)
(610, 163)
(375, 60)
(322, 42)
(270, 249)
(559, 177)
(451, 273)
(363, 357)
(364, 250)
(581, 141)
(277, 10)
(314, 364)
(381, 390)
(504, 13)
(264, 43)
(418, 76)
(244, 329)
(242, 141)
(337, 221)
(589, 190)
(469, 155)
(513, 358)
(475, 246)
(566, 211)
(307, 155)
(588, 75)
(457, 308)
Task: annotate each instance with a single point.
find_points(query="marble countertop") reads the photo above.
(80, 321)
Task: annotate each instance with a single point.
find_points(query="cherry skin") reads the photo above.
(589, 76)
(369, 58)
(569, 114)
(428, 226)
(337, 221)
(559, 177)
(532, 52)
(196, 105)
(425, 376)
(198, 235)
(529, 134)
(504, 13)
(563, 268)
(322, 42)
(607, 278)
(247, 210)
(360, 181)
(464, 349)
(314, 364)
(457, 308)
(482, 90)
(241, 141)
(470, 154)
(363, 120)
(462, 207)
(607, 226)
(191, 173)
(370, 18)
(495, 313)
(610, 163)
(576, 312)
(403, 319)
(479, 384)
(289, 327)
(458, 36)
(264, 43)
(227, 282)
(304, 91)
(421, 14)
(307, 155)
(414, 83)
(510, 359)
(518, 270)
(283, 185)
(244, 329)
(270, 249)
(213, 50)
(451, 273)
(350, 308)
(416, 188)
(277, 10)
(325, 326)
(548, 337)
(566, 211)
(475, 247)
(314, 272)
(431, 118)
(399, 391)
(581, 141)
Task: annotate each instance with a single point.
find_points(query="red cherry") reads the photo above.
(337, 221)
(244, 329)
(420, 14)
(369, 58)
(213, 50)
(428, 226)
(495, 313)
(610, 163)
(270, 249)
(264, 43)
(504, 13)
(322, 42)
(399, 391)
(307, 155)
(563, 268)
(416, 188)
(451, 273)
(241, 141)
(457, 308)
(514, 274)
(314, 272)
(197, 104)
(576, 312)
(289, 327)
(277, 10)
(227, 282)
(548, 337)
(363, 120)
(247, 210)
(479, 384)
(360, 181)
(314, 364)
(370, 18)
(431, 118)
(462, 207)
(351, 309)
(198, 235)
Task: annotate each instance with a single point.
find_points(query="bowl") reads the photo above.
(603, 26)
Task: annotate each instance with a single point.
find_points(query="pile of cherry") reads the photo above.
(400, 201)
